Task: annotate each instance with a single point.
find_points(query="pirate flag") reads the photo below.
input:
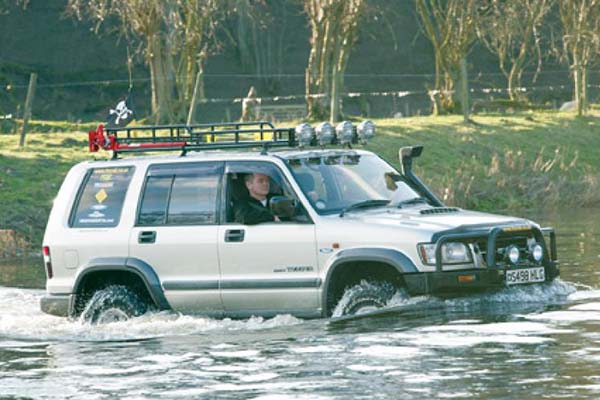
(121, 115)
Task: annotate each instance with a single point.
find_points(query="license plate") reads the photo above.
(527, 275)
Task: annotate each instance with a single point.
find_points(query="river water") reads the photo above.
(520, 343)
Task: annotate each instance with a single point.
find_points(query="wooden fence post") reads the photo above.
(28, 104)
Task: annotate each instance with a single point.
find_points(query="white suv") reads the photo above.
(131, 235)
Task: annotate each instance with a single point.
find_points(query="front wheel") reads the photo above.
(363, 298)
(113, 304)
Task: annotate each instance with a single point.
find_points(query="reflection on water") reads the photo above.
(523, 342)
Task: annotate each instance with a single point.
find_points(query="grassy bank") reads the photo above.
(500, 163)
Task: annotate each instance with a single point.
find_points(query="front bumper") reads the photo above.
(455, 283)
(493, 273)
(56, 304)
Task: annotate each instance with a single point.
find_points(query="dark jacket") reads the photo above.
(251, 212)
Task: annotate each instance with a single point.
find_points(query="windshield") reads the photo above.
(334, 182)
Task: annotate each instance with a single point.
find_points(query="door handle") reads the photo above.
(147, 237)
(234, 235)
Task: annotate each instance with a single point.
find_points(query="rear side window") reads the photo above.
(100, 201)
(181, 194)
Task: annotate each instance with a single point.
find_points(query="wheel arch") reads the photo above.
(100, 272)
(388, 264)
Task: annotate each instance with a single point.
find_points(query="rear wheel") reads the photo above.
(113, 304)
(364, 297)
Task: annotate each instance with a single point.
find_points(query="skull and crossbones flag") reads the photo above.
(121, 115)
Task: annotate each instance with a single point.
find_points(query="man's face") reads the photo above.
(258, 186)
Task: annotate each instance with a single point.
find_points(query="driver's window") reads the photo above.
(257, 183)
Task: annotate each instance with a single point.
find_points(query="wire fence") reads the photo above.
(366, 95)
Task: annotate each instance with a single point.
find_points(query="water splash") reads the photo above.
(22, 320)
(556, 292)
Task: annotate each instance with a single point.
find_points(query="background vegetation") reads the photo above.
(505, 163)
(489, 70)
(336, 57)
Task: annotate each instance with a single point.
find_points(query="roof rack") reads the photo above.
(230, 135)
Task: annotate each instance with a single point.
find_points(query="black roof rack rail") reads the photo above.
(227, 135)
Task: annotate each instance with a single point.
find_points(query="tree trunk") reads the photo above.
(242, 36)
(312, 76)
(584, 91)
(162, 97)
(437, 87)
(197, 95)
(335, 95)
(464, 89)
(514, 81)
(577, 83)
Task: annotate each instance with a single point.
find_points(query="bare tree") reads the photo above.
(450, 26)
(259, 35)
(175, 37)
(334, 30)
(511, 31)
(195, 24)
(5, 5)
(580, 42)
(142, 20)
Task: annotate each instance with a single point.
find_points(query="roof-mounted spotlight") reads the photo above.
(366, 131)
(325, 133)
(304, 134)
(345, 132)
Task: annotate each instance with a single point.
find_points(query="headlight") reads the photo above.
(452, 253)
(345, 132)
(304, 134)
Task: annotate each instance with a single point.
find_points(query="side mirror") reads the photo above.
(283, 206)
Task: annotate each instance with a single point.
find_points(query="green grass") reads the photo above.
(503, 162)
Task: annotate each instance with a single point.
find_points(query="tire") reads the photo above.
(113, 304)
(363, 298)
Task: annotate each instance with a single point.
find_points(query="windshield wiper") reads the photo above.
(414, 200)
(364, 204)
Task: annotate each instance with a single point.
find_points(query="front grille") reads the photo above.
(521, 241)
(440, 210)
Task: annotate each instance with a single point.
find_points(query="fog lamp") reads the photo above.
(345, 132)
(325, 133)
(366, 131)
(513, 254)
(304, 134)
(537, 252)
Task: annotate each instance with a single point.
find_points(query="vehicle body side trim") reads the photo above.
(191, 285)
(271, 283)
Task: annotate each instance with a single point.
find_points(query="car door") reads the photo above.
(267, 268)
(176, 233)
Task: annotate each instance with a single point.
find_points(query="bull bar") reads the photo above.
(492, 234)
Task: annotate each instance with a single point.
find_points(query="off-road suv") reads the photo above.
(157, 232)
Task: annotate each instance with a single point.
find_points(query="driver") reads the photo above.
(255, 209)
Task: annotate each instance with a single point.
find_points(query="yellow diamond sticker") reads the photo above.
(101, 195)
